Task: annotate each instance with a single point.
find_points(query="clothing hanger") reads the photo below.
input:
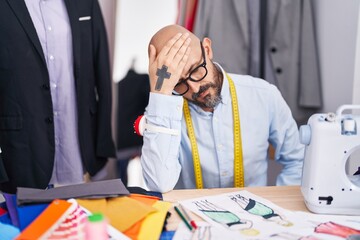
(132, 65)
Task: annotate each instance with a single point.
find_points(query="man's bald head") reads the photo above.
(163, 35)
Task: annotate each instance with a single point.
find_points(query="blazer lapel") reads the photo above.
(75, 31)
(20, 10)
(273, 13)
(242, 16)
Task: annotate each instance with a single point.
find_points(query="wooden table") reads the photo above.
(288, 197)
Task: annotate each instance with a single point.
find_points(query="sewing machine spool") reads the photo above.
(331, 172)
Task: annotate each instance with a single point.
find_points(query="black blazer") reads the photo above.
(26, 115)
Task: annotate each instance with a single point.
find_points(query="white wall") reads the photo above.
(136, 23)
(336, 22)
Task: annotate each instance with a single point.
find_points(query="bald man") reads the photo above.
(207, 128)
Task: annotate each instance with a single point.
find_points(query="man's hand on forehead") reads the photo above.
(166, 67)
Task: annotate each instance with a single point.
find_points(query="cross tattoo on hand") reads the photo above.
(163, 74)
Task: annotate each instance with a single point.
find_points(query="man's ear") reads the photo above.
(207, 47)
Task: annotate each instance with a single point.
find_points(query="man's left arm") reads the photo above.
(284, 136)
(104, 144)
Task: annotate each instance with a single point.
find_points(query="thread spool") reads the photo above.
(96, 227)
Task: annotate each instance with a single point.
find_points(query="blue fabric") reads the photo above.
(10, 200)
(28, 213)
(167, 235)
(20, 216)
(8, 232)
(5, 218)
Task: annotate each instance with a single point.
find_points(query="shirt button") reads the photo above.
(49, 120)
(215, 119)
(49, 28)
(54, 85)
(56, 113)
(51, 57)
(178, 107)
(224, 173)
(278, 70)
(273, 49)
(46, 86)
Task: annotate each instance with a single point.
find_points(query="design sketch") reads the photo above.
(259, 209)
(336, 229)
(225, 217)
(243, 215)
(291, 236)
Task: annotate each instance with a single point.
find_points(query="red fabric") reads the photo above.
(2, 211)
(190, 15)
(136, 125)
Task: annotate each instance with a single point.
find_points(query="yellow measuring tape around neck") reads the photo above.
(238, 156)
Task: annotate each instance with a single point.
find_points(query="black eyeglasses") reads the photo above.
(196, 75)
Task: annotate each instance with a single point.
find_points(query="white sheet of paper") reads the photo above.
(204, 231)
(259, 218)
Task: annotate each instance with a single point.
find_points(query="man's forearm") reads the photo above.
(160, 152)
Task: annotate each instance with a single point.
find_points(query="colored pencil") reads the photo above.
(192, 222)
(183, 218)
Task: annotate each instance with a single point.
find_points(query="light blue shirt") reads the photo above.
(52, 25)
(265, 117)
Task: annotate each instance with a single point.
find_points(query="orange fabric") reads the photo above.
(134, 230)
(150, 200)
(45, 222)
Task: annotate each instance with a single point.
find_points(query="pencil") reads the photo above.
(183, 218)
(192, 222)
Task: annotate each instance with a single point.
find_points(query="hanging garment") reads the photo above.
(290, 45)
(133, 97)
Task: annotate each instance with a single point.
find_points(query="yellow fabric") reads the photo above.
(153, 224)
(93, 205)
(121, 212)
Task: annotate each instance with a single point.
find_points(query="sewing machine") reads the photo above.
(332, 142)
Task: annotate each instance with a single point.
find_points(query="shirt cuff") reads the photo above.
(161, 105)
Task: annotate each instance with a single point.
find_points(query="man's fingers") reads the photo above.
(184, 60)
(183, 40)
(165, 50)
(152, 54)
(182, 51)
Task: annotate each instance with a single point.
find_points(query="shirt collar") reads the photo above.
(225, 91)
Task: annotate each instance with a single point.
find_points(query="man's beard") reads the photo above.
(210, 101)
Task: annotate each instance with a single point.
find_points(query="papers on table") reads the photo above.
(247, 216)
